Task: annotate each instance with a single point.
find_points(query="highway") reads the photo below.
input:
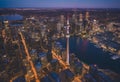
(16, 76)
(76, 78)
(59, 59)
(29, 58)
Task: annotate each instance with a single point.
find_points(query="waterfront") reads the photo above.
(90, 54)
(85, 50)
(31, 43)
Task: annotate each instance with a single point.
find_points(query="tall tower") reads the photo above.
(67, 36)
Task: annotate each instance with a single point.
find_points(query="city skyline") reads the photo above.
(60, 3)
(53, 43)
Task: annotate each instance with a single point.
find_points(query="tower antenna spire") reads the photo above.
(67, 37)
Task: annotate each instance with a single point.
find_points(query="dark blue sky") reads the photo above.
(61, 3)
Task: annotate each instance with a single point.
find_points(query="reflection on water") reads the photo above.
(83, 46)
(90, 54)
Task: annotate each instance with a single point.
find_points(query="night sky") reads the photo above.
(60, 3)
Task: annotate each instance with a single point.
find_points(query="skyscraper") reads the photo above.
(80, 22)
(80, 17)
(62, 20)
(87, 16)
(5, 24)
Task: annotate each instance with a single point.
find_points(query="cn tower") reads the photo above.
(67, 37)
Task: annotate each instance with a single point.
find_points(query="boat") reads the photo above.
(115, 57)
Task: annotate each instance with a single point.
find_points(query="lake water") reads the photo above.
(11, 17)
(90, 54)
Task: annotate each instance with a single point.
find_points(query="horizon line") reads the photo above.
(62, 7)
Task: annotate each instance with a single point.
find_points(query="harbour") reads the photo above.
(90, 54)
